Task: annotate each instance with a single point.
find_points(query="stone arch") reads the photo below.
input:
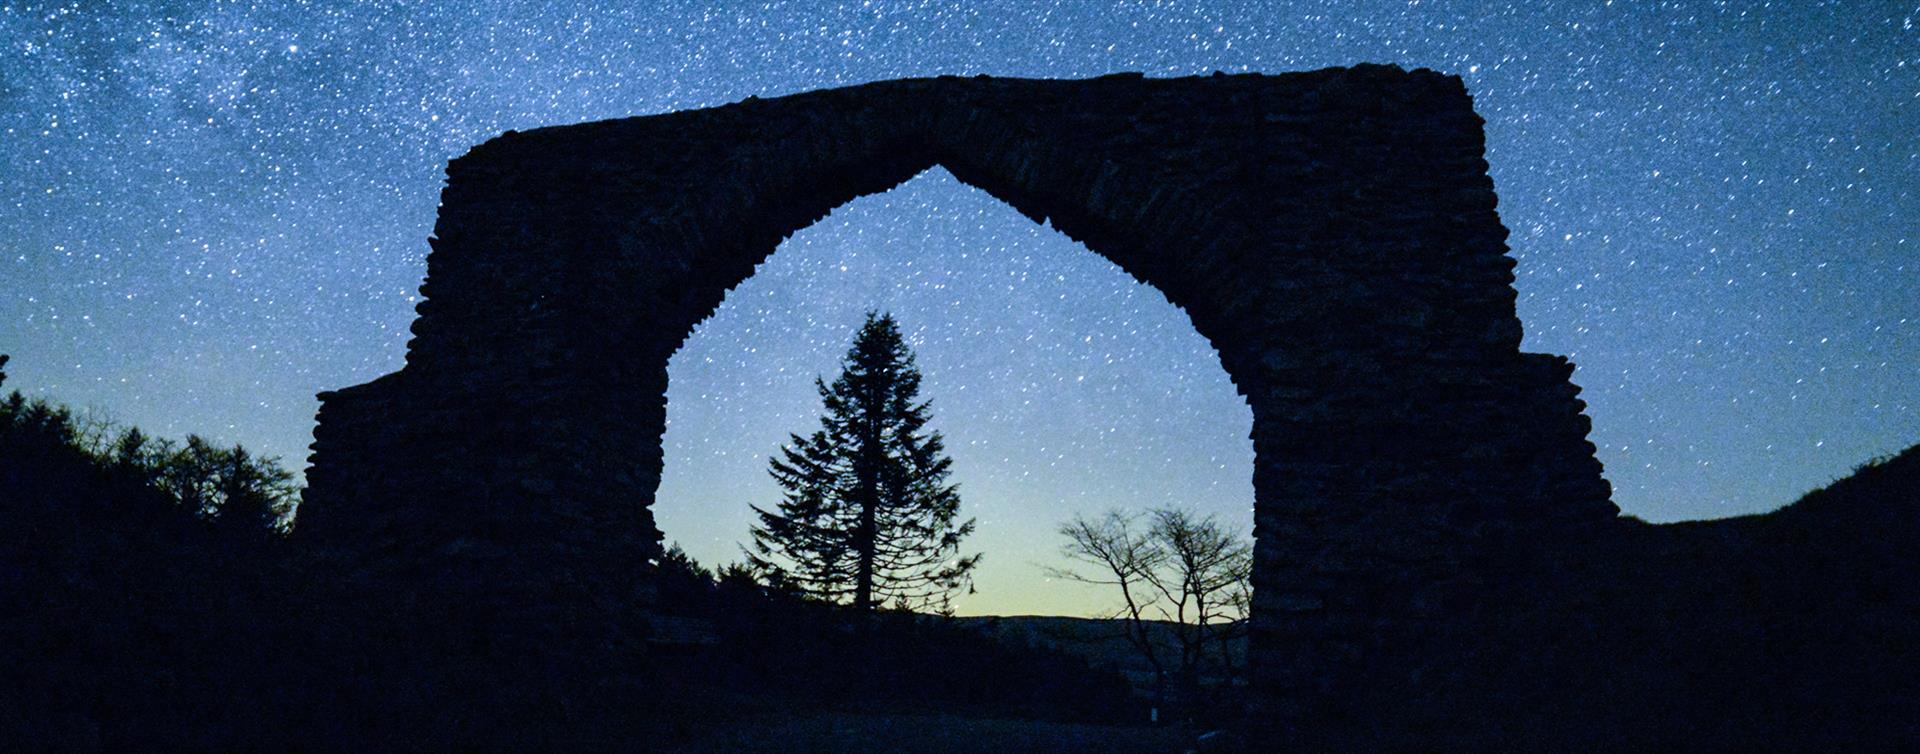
(1333, 235)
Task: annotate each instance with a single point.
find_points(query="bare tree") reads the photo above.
(1173, 566)
(1209, 570)
(1124, 557)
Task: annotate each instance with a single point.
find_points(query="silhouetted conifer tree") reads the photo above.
(684, 585)
(130, 453)
(867, 516)
(254, 495)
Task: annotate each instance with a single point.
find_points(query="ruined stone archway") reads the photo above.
(1333, 234)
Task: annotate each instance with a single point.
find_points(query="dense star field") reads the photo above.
(212, 212)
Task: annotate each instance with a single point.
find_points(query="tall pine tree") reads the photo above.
(867, 516)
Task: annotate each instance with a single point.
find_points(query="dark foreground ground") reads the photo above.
(129, 625)
(862, 733)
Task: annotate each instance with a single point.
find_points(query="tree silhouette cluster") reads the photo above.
(50, 452)
(132, 581)
(867, 515)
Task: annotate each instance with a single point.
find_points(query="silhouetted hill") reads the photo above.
(1102, 642)
(1876, 509)
(1806, 618)
(1792, 630)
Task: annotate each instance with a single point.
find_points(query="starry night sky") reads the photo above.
(209, 212)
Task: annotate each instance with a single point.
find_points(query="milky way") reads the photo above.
(211, 212)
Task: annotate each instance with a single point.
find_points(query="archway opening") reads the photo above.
(1063, 385)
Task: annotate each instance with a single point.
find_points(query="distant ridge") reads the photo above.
(1100, 641)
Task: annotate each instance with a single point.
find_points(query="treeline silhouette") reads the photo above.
(150, 599)
(130, 576)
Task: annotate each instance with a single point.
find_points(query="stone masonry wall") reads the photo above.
(1332, 233)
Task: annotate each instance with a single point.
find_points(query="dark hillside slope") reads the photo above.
(1877, 509)
(1831, 587)
(1793, 630)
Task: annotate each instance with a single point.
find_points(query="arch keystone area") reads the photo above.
(1332, 233)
